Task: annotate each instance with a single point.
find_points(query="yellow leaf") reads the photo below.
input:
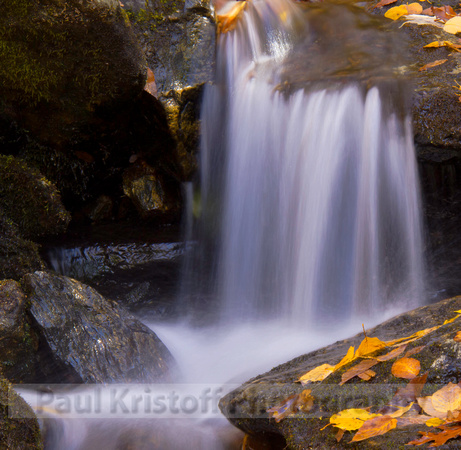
(434, 422)
(375, 427)
(401, 411)
(396, 12)
(414, 8)
(435, 44)
(407, 368)
(454, 318)
(369, 345)
(347, 359)
(351, 419)
(453, 25)
(447, 399)
(458, 312)
(317, 374)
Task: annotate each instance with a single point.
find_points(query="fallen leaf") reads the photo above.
(384, 3)
(406, 421)
(358, 369)
(347, 358)
(428, 407)
(448, 398)
(392, 354)
(414, 351)
(396, 12)
(339, 435)
(401, 411)
(434, 422)
(351, 419)
(228, 21)
(438, 438)
(443, 13)
(414, 8)
(456, 48)
(433, 64)
(369, 345)
(367, 375)
(457, 337)
(410, 392)
(407, 368)
(453, 25)
(454, 318)
(303, 401)
(317, 374)
(375, 427)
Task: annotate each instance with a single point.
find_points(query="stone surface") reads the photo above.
(246, 406)
(92, 336)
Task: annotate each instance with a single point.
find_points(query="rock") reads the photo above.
(19, 427)
(94, 337)
(183, 113)
(18, 256)
(178, 39)
(19, 342)
(246, 406)
(62, 63)
(30, 200)
(153, 193)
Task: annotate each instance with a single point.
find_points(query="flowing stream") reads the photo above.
(310, 225)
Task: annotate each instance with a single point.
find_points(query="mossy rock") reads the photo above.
(19, 428)
(18, 256)
(61, 61)
(31, 202)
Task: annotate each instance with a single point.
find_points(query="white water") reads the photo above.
(310, 223)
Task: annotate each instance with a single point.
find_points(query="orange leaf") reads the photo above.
(358, 369)
(414, 8)
(375, 427)
(438, 438)
(410, 392)
(407, 368)
(433, 64)
(303, 401)
(367, 375)
(347, 359)
(457, 337)
(340, 433)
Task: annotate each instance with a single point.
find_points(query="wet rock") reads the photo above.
(246, 407)
(19, 427)
(18, 256)
(183, 112)
(93, 336)
(19, 343)
(30, 200)
(99, 210)
(153, 193)
(63, 62)
(178, 39)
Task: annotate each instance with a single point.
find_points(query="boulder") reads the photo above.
(246, 407)
(19, 428)
(31, 202)
(61, 62)
(19, 341)
(94, 337)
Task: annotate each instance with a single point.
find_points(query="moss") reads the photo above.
(31, 202)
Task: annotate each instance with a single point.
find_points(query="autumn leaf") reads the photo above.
(375, 427)
(456, 48)
(407, 368)
(357, 370)
(410, 392)
(447, 433)
(228, 21)
(369, 345)
(433, 64)
(448, 398)
(453, 25)
(396, 12)
(367, 375)
(414, 351)
(384, 3)
(317, 374)
(454, 318)
(351, 419)
(457, 337)
(392, 354)
(303, 401)
(414, 8)
(434, 422)
(350, 356)
(426, 404)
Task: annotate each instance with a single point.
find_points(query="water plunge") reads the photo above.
(310, 196)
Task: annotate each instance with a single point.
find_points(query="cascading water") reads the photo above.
(309, 213)
(318, 187)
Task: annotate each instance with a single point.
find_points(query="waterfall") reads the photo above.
(310, 198)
